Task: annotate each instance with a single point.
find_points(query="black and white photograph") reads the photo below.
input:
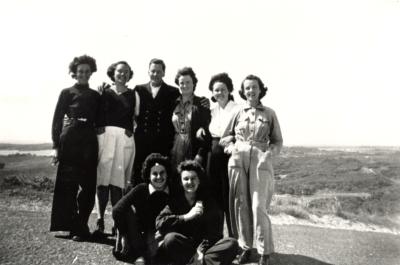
(174, 132)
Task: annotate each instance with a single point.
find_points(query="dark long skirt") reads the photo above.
(75, 187)
(217, 171)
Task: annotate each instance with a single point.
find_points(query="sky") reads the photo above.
(332, 68)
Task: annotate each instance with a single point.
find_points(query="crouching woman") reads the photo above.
(134, 215)
(189, 225)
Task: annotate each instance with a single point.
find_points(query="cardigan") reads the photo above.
(147, 206)
(204, 230)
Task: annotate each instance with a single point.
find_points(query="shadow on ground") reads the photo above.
(291, 259)
(287, 259)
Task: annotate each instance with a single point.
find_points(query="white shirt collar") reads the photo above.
(152, 189)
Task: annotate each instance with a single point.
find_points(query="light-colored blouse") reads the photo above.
(220, 118)
(256, 124)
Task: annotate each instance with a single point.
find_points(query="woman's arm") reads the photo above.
(125, 204)
(59, 112)
(202, 133)
(275, 136)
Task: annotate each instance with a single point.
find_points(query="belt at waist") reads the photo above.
(262, 145)
(78, 122)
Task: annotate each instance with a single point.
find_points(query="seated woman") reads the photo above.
(134, 215)
(189, 225)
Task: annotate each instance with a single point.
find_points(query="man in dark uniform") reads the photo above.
(154, 132)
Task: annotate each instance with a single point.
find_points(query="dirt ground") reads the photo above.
(25, 239)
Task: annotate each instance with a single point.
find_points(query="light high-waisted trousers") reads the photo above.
(251, 185)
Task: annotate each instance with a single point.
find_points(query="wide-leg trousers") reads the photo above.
(75, 187)
(251, 186)
(141, 241)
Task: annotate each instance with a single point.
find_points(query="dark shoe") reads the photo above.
(264, 260)
(99, 231)
(245, 256)
(80, 238)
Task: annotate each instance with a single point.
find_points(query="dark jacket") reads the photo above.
(203, 230)
(201, 117)
(154, 123)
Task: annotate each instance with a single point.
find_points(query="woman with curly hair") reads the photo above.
(221, 87)
(76, 149)
(254, 138)
(134, 215)
(189, 225)
(115, 121)
(190, 119)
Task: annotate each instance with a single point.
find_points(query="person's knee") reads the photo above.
(170, 239)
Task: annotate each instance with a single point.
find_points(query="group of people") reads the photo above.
(172, 167)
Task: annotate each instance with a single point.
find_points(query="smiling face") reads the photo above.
(251, 90)
(83, 73)
(158, 177)
(122, 74)
(190, 181)
(186, 85)
(220, 93)
(156, 74)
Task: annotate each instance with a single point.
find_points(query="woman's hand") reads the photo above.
(229, 149)
(199, 159)
(205, 102)
(54, 158)
(100, 130)
(103, 87)
(200, 134)
(121, 244)
(197, 210)
(226, 140)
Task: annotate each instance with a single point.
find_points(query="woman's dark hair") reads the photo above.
(84, 59)
(223, 78)
(263, 88)
(186, 71)
(193, 165)
(111, 70)
(151, 160)
(157, 61)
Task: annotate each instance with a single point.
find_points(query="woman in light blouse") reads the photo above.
(217, 167)
(253, 138)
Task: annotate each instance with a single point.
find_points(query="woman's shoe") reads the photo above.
(245, 256)
(99, 232)
(140, 261)
(264, 260)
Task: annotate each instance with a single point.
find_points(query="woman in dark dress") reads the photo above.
(188, 226)
(134, 215)
(190, 119)
(75, 144)
(118, 108)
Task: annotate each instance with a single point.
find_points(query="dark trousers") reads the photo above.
(75, 187)
(178, 249)
(217, 172)
(147, 144)
(141, 241)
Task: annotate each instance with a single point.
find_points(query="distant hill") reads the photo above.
(25, 147)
